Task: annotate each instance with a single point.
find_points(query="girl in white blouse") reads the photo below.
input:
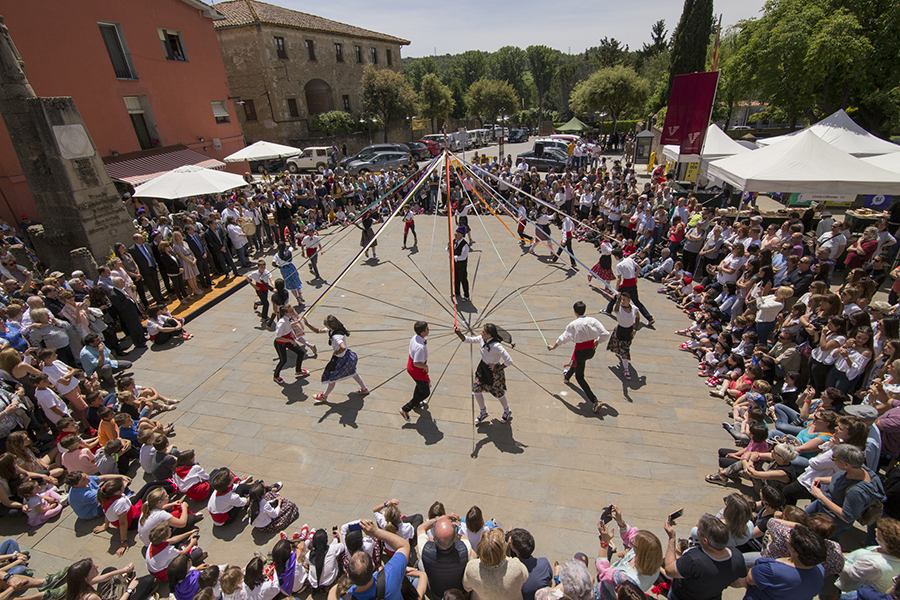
(489, 376)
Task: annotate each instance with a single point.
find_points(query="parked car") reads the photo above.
(271, 165)
(552, 143)
(517, 135)
(419, 150)
(432, 146)
(381, 161)
(373, 149)
(314, 158)
(548, 158)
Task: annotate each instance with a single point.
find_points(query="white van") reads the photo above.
(438, 138)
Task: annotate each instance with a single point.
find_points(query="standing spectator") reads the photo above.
(704, 571)
(520, 543)
(494, 576)
(147, 268)
(444, 558)
(362, 570)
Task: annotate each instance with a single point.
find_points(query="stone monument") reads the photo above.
(78, 204)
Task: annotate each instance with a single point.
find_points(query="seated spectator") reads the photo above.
(226, 498)
(324, 559)
(258, 585)
(473, 527)
(876, 566)
(77, 456)
(96, 358)
(574, 583)
(494, 576)
(157, 509)
(520, 543)
(640, 564)
(269, 512)
(800, 575)
(83, 493)
(289, 560)
(40, 506)
(362, 570)
(190, 478)
(163, 549)
(847, 494)
(444, 559)
(703, 571)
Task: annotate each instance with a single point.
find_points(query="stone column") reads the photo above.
(78, 204)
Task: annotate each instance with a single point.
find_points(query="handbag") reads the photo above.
(95, 317)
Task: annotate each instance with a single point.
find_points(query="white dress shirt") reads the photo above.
(583, 329)
(493, 355)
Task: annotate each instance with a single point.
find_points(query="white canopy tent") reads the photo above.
(843, 133)
(263, 151)
(716, 144)
(804, 163)
(189, 180)
(891, 161)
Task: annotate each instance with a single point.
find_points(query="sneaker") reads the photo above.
(482, 416)
(507, 416)
(423, 405)
(278, 380)
(405, 415)
(304, 531)
(627, 374)
(301, 373)
(727, 426)
(605, 312)
(276, 486)
(596, 406)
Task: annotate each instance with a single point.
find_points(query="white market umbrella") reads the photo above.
(189, 180)
(263, 151)
(804, 163)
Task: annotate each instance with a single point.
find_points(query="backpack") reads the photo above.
(380, 582)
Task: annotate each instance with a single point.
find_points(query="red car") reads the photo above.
(432, 147)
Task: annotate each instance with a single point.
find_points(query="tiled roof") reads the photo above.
(242, 13)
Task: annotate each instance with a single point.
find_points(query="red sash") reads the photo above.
(628, 283)
(415, 372)
(133, 513)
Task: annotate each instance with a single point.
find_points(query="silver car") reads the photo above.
(380, 162)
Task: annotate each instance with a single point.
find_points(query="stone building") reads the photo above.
(287, 66)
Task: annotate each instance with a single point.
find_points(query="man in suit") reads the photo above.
(200, 252)
(128, 313)
(216, 242)
(143, 258)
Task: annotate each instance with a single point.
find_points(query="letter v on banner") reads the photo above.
(690, 105)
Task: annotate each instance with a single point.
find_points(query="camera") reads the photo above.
(606, 515)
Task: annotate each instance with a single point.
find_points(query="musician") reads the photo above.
(238, 240)
(261, 279)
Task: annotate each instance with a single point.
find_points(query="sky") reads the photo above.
(567, 25)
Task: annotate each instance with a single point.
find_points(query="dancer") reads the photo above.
(312, 244)
(603, 268)
(460, 252)
(523, 220)
(283, 260)
(417, 367)
(586, 333)
(568, 228)
(367, 235)
(627, 319)
(343, 362)
(286, 339)
(489, 375)
(409, 224)
(541, 225)
(626, 281)
(261, 279)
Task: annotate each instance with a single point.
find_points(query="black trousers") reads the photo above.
(314, 265)
(795, 491)
(264, 300)
(422, 391)
(521, 232)
(150, 283)
(633, 292)
(581, 357)
(460, 270)
(569, 248)
(205, 276)
(282, 350)
(412, 228)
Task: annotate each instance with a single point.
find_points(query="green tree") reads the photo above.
(542, 61)
(610, 53)
(616, 90)
(387, 95)
(810, 58)
(691, 39)
(417, 69)
(490, 98)
(732, 81)
(333, 122)
(435, 99)
(509, 64)
(469, 67)
(658, 41)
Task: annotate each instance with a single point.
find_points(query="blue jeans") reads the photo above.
(242, 256)
(764, 330)
(784, 415)
(10, 546)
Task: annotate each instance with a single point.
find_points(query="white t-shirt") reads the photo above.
(267, 590)
(473, 537)
(267, 513)
(160, 561)
(329, 567)
(156, 517)
(336, 341)
(626, 268)
(119, 506)
(55, 372)
(47, 400)
(145, 457)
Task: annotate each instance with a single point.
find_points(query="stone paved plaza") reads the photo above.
(552, 469)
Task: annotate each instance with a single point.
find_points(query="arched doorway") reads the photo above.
(318, 97)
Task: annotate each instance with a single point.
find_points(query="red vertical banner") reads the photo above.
(690, 105)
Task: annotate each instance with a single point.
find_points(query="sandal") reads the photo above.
(321, 397)
(187, 336)
(716, 478)
(361, 392)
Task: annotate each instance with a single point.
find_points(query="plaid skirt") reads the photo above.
(620, 347)
(288, 514)
(344, 367)
(496, 389)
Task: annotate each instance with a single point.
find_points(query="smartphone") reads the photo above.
(606, 516)
(676, 515)
(354, 527)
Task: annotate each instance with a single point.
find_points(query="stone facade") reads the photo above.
(287, 71)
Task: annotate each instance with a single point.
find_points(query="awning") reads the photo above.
(138, 170)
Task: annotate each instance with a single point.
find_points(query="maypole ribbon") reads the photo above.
(452, 245)
(575, 258)
(365, 248)
(508, 270)
(363, 211)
